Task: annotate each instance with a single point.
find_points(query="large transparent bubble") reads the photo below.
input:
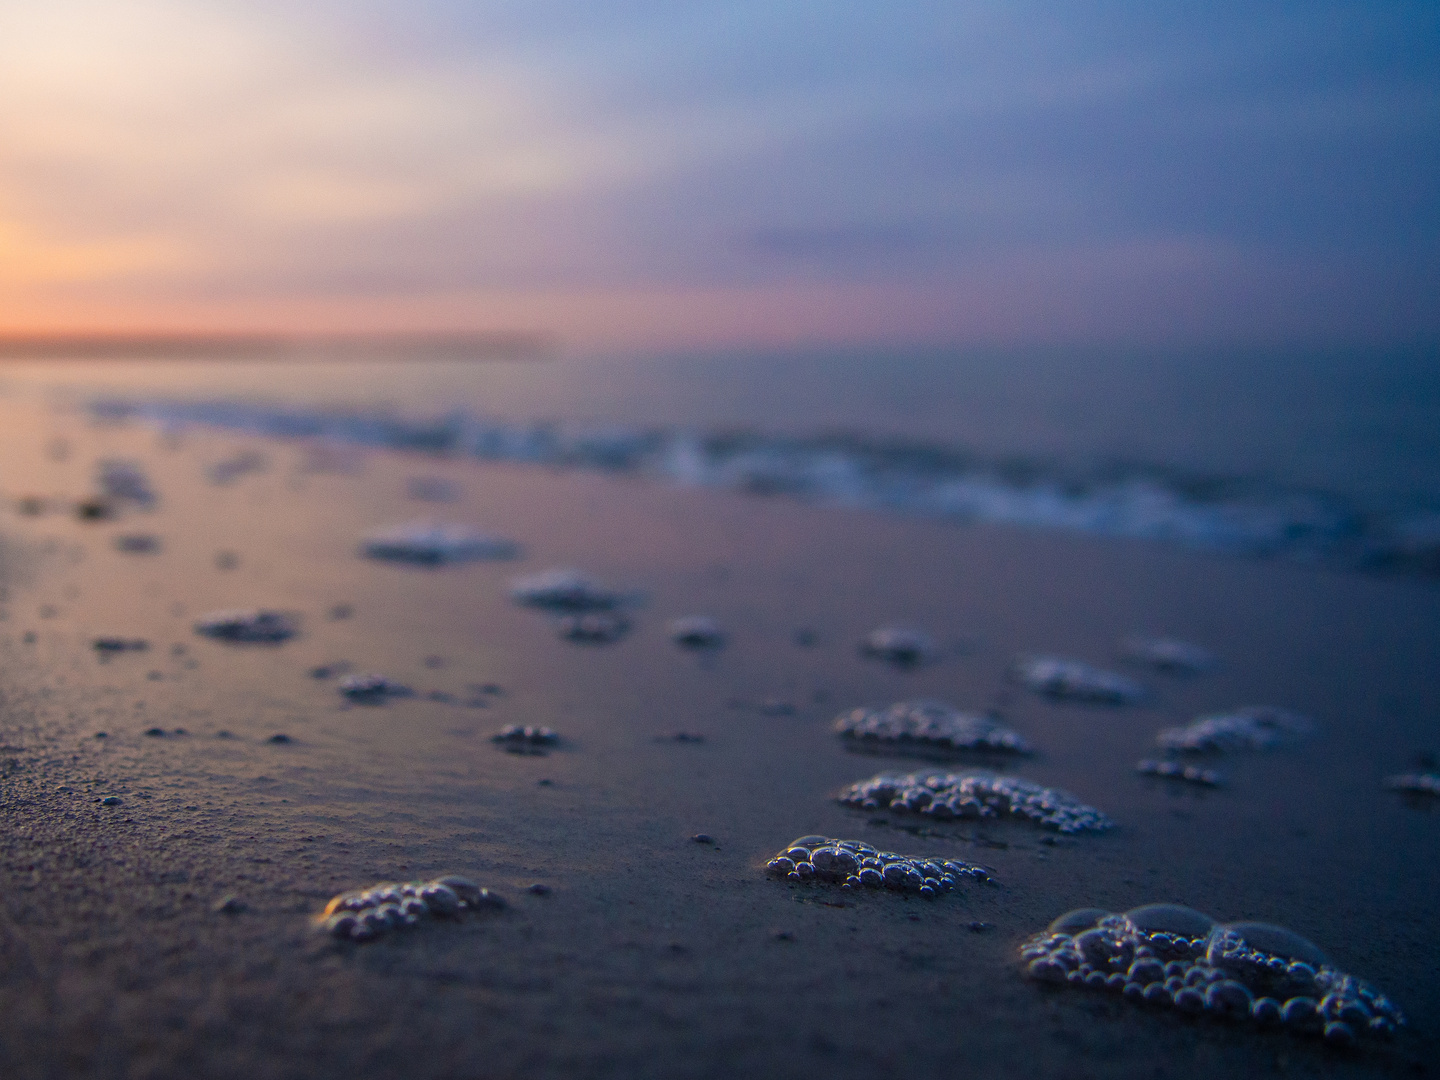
(1174, 957)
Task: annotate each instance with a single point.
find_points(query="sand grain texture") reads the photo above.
(652, 955)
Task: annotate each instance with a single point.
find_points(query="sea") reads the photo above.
(1330, 455)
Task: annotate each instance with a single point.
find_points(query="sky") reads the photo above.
(628, 174)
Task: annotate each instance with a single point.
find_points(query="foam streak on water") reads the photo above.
(888, 475)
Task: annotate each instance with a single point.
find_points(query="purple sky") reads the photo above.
(654, 175)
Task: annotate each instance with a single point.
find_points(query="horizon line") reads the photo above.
(164, 345)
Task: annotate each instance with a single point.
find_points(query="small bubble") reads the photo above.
(1251, 727)
(137, 543)
(1174, 770)
(247, 625)
(120, 644)
(928, 724)
(1170, 655)
(369, 689)
(1075, 680)
(428, 544)
(594, 628)
(1426, 785)
(899, 646)
(564, 590)
(696, 632)
(522, 738)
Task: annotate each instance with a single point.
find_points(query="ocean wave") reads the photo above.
(1217, 513)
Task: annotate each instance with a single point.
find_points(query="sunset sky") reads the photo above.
(650, 175)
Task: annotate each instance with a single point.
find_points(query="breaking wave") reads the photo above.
(1217, 513)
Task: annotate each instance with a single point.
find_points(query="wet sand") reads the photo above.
(651, 955)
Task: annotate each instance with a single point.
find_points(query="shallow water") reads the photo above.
(1319, 455)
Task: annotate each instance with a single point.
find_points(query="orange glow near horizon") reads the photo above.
(674, 180)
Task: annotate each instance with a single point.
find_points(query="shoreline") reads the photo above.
(652, 954)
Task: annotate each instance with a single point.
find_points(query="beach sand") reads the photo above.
(652, 954)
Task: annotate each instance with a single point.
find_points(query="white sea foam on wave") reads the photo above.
(909, 478)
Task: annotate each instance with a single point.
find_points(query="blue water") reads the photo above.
(1335, 454)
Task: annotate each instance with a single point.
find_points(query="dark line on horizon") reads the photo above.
(458, 346)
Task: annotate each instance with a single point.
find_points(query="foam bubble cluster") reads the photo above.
(594, 627)
(852, 864)
(1075, 680)
(124, 481)
(366, 914)
(975, 795)
(1175, 957)
(1251, 727)
(563, 590)
(899, 645)
(1174, 770)
(1414, 784)
(523, 739)
(696, 632)
(247, 624)
(1167, 654)
(369, 689)
(929, 725)
(432, 545)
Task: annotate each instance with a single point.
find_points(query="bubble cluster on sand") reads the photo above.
(852, 864)
(429, 544)
(228, 470)
(119, 644)
(124, 481)
(901, 646)
(1174, 770)
(432, 489)
(1250, 727)
(1414, 784)
(1167, 654)
(1172, 956)
(594, 627)
(696, 632)
(974, 795)
(930, 725)
(563, 590)
(1075, 680)
(371, 689)
(366, 914)
(137, 543)
(526, 739)
(247, 624)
